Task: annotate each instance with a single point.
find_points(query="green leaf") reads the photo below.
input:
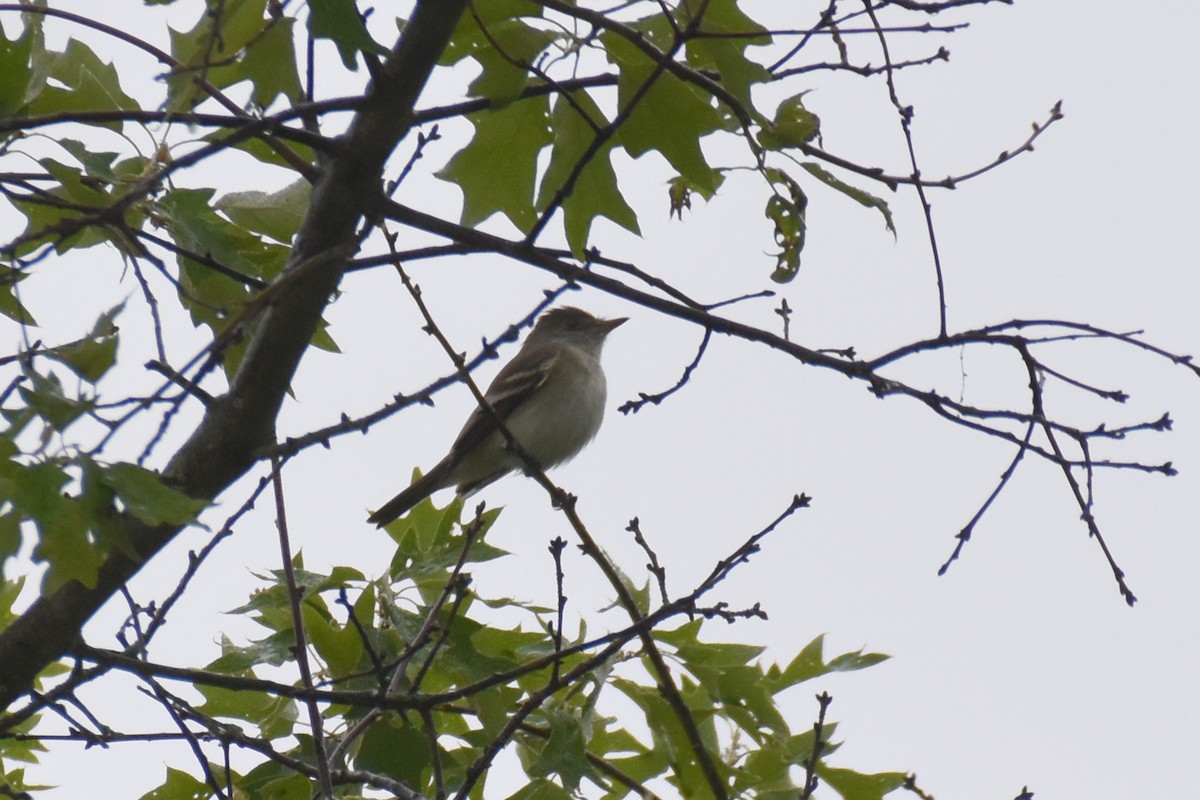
(565, 752)
(853, 785)
(467, 39)
(786, 208)
(460, 661)
(63, 540)
(16, 65)
(810, 663)
(724, 54)
(793, 126)
(213, 298)
(212, 49)
(240, 659)
(393, 748)
(10, 305)
(10, 542)
(595, 193)
(505, 51)
(849, 662)
(854, 193)
(76, 186)
(671, 741)
(496, 170)
(493, 707)
(189, 217)
(88, 84)
(35, 489)
(680, 191)
(268, 62)
(315, 582)
(513, 645)
(97, 165)
(260, 150)
(691, 649)
(92, 356)
(340, 22)
(671, 116)
(179, 785)
(271, 780)
(14, 749)
(807, 664)
(149, 499)
(428, 544)
(541, 789)
(63, 225)
(269, 607)
(272, 715)
(339, 646)
(10, 590)
(277, 214)
(46, 397)
(768, 769)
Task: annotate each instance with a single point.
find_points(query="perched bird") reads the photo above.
(550, 397)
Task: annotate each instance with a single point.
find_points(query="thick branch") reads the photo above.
(238, 425)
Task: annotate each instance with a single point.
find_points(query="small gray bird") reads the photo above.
(551, 398)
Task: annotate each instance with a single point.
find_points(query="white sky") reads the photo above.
(1022, 666)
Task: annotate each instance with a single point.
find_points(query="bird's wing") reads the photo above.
(511, 388)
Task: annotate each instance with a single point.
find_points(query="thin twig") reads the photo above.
(656, 569)
(300, 648)
(557, 545)
(906, 115)
(634, 406)
(819, 743)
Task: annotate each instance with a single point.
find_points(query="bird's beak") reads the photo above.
(608, 325)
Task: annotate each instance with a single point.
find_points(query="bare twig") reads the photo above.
(810, 766)
(656, 569)
(300, 648)
(557, 545)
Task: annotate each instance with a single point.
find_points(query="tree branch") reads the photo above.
(241, 424)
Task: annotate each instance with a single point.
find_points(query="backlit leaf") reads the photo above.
(786, 209)
(854, 193)
(95, 354)
(564, 753)
(340, 22)
(179, 785)
(853, 785)
(149, 499)
(17, 79)
(46, 396)
(595, 192)
(793, 126)
(670, 117)
(505, 52)
(339, 646)
(214, 43)
(496, 170)
(725, 53)
(88, 84)
(396, 749)
(275, 214)
(268, 62)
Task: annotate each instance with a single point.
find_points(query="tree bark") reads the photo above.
(238, 425)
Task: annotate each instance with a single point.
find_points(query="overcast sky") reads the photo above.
(1021, 666)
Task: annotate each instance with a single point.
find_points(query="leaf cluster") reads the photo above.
(420, 687)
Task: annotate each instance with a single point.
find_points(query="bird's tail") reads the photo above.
(421, 488)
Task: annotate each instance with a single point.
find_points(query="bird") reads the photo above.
(550, 397)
